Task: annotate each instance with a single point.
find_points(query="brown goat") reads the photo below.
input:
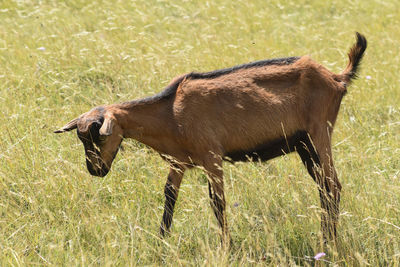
(255, 111)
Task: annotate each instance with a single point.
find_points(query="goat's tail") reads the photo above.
(355, 55)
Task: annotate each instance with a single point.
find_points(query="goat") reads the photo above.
(255, 111)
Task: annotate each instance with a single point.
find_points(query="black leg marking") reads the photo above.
(308, 156)
(170, 199)
(171, 191)
(217, 204)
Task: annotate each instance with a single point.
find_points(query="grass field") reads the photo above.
(59, 59)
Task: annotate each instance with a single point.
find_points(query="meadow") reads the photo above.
(59, 59)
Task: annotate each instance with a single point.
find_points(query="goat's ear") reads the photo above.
(106, 128)
(68, 127)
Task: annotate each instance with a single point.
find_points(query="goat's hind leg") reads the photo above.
(316, 155)
(171, 194)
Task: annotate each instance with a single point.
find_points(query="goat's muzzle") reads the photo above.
(100, 170)
(95, 164)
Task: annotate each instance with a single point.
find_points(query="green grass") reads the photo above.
(59, 59)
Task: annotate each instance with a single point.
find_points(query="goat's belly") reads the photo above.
(268, 150)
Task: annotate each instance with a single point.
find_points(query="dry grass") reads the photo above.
(59, 59)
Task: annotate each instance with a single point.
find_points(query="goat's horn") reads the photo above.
(68, 127)
(106, 128)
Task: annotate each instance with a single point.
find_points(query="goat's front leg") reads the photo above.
(216, 191)
(171, 193)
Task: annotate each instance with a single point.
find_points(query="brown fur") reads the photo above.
(271, 109)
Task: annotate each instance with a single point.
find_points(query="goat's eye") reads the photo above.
(102, 138)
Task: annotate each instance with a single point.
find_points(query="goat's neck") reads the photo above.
(149, 123)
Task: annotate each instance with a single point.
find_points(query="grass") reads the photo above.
(59, 59)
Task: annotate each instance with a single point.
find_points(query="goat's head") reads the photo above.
(101, 137)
